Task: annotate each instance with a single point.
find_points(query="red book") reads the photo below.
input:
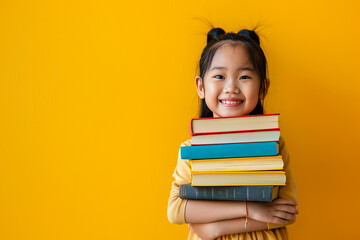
(268, 135)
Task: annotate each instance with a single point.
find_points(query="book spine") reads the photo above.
(257, 149)
(191, 128)
(227, 193)
(244, 116)
(229, 132)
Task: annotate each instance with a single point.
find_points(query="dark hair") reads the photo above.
(252, 43)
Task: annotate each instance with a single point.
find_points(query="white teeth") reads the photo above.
(230, 102)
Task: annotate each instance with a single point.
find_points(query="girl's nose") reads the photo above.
(231, 87)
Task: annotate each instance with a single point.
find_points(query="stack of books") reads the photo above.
(234, 158)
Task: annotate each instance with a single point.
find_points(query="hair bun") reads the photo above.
(214, 33)
(250, 34)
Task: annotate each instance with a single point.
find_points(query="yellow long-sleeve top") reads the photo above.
(182, 175)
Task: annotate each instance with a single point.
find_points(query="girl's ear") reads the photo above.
(267, 84)
(200, 87)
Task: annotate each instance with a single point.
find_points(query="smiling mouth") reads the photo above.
(230, 102)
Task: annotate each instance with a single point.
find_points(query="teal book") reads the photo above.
(255, 149)
(229, 193)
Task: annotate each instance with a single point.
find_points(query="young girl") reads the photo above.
(232, 82)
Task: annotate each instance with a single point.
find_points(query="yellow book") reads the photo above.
(237, 164)
(214, 178)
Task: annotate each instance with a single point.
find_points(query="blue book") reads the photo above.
(256, 149)
(229, 193)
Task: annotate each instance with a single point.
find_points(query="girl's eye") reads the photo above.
(219, 77)
(244, 77)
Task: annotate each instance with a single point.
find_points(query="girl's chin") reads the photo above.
(233, 114)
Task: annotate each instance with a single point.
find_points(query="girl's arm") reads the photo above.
(207, 231)
(278, 211)
(216, 229)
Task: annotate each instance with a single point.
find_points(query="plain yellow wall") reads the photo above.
(96, 97)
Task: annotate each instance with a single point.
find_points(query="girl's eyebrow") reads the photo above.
(239, 69)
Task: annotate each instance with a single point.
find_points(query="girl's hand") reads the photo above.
(206, 231)
(278, 211)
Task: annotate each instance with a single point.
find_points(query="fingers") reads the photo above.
(278, 220)
(285, 201)
(284, 215)
(282, 218)
(287, 209)
(284, 211)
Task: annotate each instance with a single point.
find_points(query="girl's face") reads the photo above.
(230, 85)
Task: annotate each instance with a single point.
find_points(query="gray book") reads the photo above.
(229, 193)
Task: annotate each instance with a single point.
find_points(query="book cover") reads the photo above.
(237, 164)
(238, 178)
(216, 125)
(267, 135)
(230, 150)
(229, 193)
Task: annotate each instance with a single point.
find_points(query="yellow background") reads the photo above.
(96, 97)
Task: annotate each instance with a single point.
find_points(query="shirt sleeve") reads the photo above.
(289, 191)
(182, 175)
